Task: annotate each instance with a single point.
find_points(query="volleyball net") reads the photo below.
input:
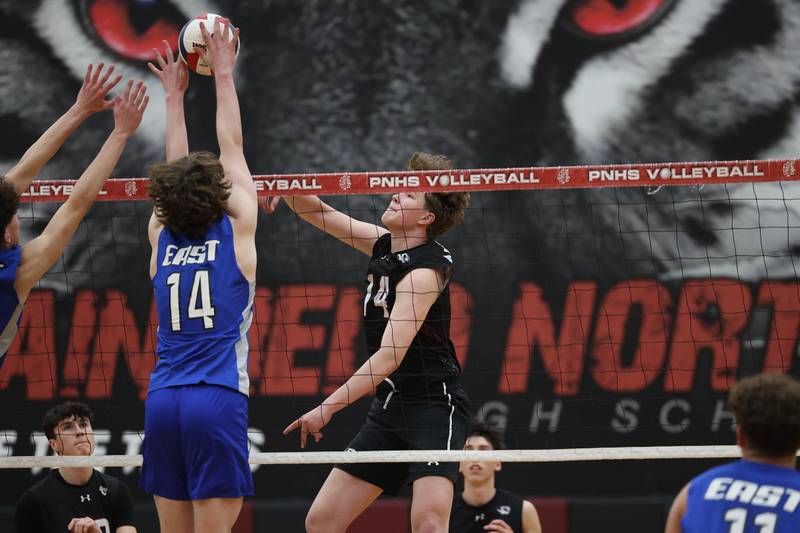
(598, 312)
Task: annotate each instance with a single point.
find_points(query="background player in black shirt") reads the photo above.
(80, 500)
(483, 507)
(413, 368)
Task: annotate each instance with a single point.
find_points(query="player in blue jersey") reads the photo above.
(203, 267)
(761, 492)
(413, 369)
(22, 266)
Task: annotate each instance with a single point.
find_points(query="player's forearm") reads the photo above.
(37, 156)
(374, 370)
(177, 136)
(229, 119)
(333, 222)
(311, 209)
(98, 172)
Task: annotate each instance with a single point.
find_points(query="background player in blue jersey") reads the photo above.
(21, 267)
(203, 267)
(413, 367)
(760, 493)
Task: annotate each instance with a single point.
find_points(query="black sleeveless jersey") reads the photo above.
(52, 503)
(506, 506)
(431, 358)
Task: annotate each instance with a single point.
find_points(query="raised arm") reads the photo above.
(221, 55)
(42, 252)
(175, 79)
(360, 235)
(416, 293)
(91, 99)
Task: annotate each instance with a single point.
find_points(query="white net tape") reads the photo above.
(410, 456)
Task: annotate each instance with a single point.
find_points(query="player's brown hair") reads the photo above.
(55, 415)
(447, 207)
(767, 409)
(9, 204)
(189, 194)
(481, 429)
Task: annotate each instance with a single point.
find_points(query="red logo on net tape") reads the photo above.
(131, 189)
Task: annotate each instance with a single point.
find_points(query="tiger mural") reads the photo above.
(359, 84)
(348, 85)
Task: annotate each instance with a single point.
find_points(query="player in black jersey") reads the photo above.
(483, 507)
(80, 499)
(413, 368)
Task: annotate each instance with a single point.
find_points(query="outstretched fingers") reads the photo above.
(226, 30)
(204, 33)
(139, 95)
(159, 59)
(291, 427)
(169, 53)
(107, 75)
(97, 72)
(269, 203)
(127, 94)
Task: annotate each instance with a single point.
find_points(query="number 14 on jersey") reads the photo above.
(200, 305)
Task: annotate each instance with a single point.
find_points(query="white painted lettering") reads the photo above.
(626, 419)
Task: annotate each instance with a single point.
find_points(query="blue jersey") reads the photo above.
(205, 307)
(10, 306)
(744, 497)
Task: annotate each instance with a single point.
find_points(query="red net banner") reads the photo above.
(530, 178)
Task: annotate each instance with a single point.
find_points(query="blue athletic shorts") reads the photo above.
(195, 443)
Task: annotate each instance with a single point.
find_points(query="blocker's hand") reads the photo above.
(172, 73)
(129, 108)
(310, 423)
(93, 96)
(220, 52)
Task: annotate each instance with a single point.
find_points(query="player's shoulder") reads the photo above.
(117, 489)
(43, 488)
(225, 224)
(741, 470)
(105, 479)
(383, 245)
(509, 497)
(727, 469)
(432, 252)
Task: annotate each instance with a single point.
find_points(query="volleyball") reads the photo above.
(191, 37)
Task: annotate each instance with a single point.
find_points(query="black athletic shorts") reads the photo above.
(393, 423)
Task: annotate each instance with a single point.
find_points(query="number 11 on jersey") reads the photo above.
(201, 293)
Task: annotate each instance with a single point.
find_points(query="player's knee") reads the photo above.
(428, 522)
(318, 520)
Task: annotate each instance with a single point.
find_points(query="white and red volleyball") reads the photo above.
(191, 37)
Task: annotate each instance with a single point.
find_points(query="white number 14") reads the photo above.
(380, 295)
(201, 292)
